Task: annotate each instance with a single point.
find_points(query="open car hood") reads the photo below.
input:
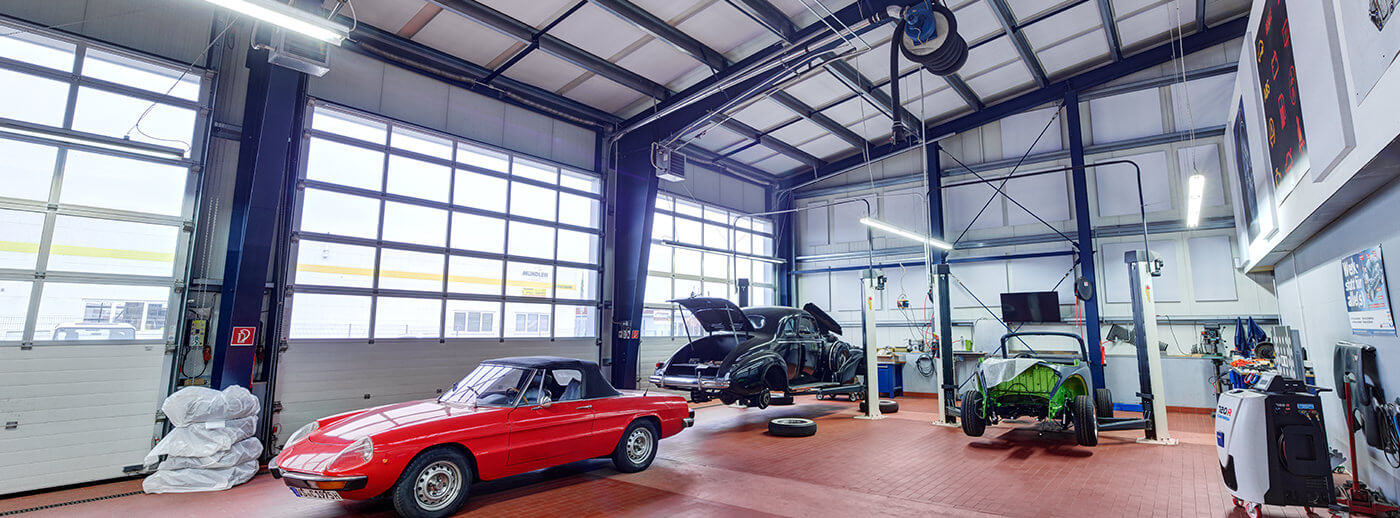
(824, 321)
(716, 314)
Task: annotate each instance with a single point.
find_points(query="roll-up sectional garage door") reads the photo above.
(93, 236)
(418, 255)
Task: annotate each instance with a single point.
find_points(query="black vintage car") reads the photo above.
(746, 354)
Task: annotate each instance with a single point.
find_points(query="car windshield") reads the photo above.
(489, 385)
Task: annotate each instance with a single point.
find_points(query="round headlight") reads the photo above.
(357, 454)
(302, 433)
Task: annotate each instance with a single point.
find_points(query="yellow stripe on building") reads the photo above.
(88, 251)
(424, 276)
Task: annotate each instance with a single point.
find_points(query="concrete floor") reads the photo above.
(727, 465)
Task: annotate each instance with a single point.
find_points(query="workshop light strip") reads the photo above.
(289, 18)
(1195, 192)
(877, 224)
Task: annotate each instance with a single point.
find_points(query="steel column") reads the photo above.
(266, 153)
(784, 243)
(933, 181)
(1085, 237)
(634, 198)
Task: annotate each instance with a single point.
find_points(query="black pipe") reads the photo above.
(898, 132)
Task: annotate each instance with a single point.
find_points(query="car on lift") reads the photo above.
(508, 416)
(747, 354)
(1050, 386)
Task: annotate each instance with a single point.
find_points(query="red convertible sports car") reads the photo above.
(509, 416)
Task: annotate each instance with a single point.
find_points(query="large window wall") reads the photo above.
(701, 250)
(408, 233)
(93, 237)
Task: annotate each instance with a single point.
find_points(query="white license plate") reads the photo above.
(315, 493)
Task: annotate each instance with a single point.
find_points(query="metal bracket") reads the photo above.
(11, 425)
(25, 346)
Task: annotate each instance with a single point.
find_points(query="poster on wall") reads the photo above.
(1245, 171)
(1368, 300)
(1371, 30)
(1278, 89)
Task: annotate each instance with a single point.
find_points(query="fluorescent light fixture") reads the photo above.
(289, 18)
(936, 243)
(91, 140)
(1195, 190)
(759, 258)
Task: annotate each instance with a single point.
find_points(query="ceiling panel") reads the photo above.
(993, 54)
(445, 33)
(603, 94)
(722, 27)
(976, 21)
(804, 15)
(1069, 23)
(1151, 25)
(827, 147)
(779, 164)
(597, 31)
(1025, 9)
(716, 138)
(389, 15)
(937, 105)
(819, 90)
(1009, 78)
(1125, 8)
(851, 110)
(764, 114)
(1075, 54)
(873, 129)
(875, 63)
(917, 85)
(543, 70)
(537, 13)
(659, 61)
(798, 132)
(753, 154)
(669, 10)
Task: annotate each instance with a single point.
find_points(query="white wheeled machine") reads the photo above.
(1272, 445)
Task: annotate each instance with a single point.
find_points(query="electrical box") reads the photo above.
(300, 53)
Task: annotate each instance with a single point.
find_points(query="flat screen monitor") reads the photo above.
(1032, 306)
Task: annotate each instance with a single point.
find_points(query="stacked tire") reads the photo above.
(212, 447)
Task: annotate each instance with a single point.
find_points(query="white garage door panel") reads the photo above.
(318, 379)
(84, 412)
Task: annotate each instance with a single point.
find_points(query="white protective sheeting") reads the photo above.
(241, 452)
(203, 439)
(996, 371)
(197, 479)
(200, 404)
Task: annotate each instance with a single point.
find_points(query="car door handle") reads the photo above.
(584, 407)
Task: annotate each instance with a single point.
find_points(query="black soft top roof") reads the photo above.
(594, 385)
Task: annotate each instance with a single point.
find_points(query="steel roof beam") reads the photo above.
(749, 132)
(1018, 40)
(1216, 35)
(663, 31)
(1200, 15)
(964, 91)
(1110, 27)
(818, 118)
(768, 16)
(863, 87)
(733, 167)
(559, 48)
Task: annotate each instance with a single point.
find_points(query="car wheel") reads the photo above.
(1086, 424)
(761, 399)
(792, 427)
(637, 448)
(887, 406)
(973, 424)
(434, 485)
(1103, 402)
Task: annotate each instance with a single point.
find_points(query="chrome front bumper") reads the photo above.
(689, 383)
(310, 481)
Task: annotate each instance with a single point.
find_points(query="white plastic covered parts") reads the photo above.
(212, 447)
(191, 480)
(201, 405)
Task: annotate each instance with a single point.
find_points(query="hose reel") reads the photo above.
(928, 35)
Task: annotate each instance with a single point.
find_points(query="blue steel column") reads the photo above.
(275, 96)
(1085, 237)
(938, 259)
(784, 245)
(634, 198)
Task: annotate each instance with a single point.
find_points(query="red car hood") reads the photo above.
(400, 419)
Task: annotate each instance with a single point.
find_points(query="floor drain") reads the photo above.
(64, 504)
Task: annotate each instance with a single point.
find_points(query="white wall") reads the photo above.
(1311, 299)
